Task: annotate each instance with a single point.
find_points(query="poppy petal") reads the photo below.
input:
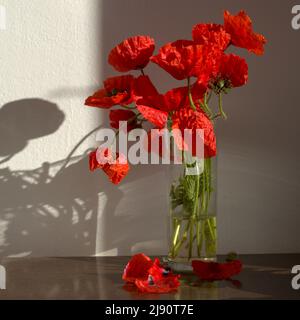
(132, 54)
(137, 268)
(211, 33)
(211, 271)
(240, 29)
(157, 117)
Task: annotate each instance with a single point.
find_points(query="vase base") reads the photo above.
(184, 265)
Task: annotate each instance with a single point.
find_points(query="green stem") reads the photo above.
(190, 95)
(223, 114)
(199, 234)
(182, 240)
(195, 212)
(128, 107)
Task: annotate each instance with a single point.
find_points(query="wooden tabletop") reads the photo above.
(263, 277)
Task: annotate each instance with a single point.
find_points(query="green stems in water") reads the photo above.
(194, 230)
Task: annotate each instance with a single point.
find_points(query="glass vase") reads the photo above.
(192, 214)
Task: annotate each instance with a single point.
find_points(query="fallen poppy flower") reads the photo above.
(186, 118)
(132, 54)
(210, 271)
(240, 29)
(116, 90)
(159, 280)
(115, 116)
(149, 276)
(137, 268)
(211, 33)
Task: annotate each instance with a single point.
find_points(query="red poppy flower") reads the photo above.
(115, 116)
(184, 59)
(242, 35)
(159, 280)
(143, 87)
(149, 276)
(233, 70)
(132, 54)
(137, 268)
(115, 166)
(152, 110)
(211, 33)
(117, 170)
(211, 271)
(186, 118)
(116, 90)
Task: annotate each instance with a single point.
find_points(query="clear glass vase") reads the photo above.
(192, 215)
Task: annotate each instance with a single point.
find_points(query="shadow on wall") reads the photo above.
(51, 210)
(54, 210)
(24, 120)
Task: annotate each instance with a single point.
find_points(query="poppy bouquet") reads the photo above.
(208, 73)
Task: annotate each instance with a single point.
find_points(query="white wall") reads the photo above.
(55, 50)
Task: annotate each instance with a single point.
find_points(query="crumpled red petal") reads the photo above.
(211, 33)
(160, 286)
(149, 276)
(143, 87)
(186, 118)
(234, 69)
(132, 54)
(117, 170)
(137, 268)
(93, 162)
(184, 58)
(115, 166)
(240, 29)
(115, 116)
(211, 271)
(157, 117)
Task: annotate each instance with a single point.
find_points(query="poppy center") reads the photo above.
(114, 92)
(222, 86)
(150, 280)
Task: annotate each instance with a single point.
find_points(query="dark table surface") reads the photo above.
(263, 277)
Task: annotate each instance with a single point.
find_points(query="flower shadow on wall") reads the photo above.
(42, 212)
(53, 210)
